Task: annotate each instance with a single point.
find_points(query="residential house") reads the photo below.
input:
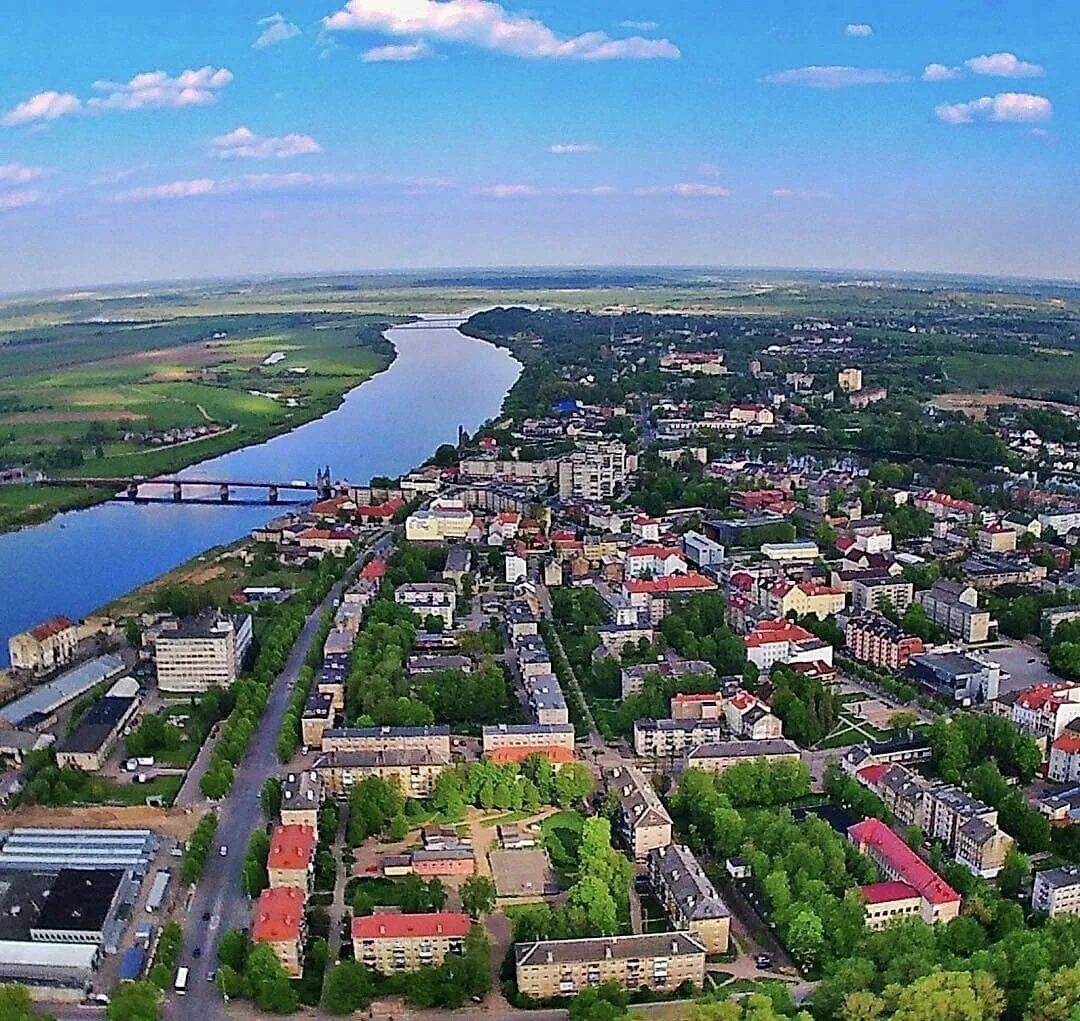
(45, 647)
(716, 757)
(689, 898)
(1057, 891)
(389, 942)
(873, 638)
(955, 607)
(279, 923)
(643, 823)
(291, 860)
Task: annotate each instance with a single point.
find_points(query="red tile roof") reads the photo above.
(675, 583)
(883, 893)
(901, 859)
(51, 627)
(395, 926)
(374, 569)
(1067, 743)
(291, 847)
(556, 754)
(769, 631)
(663, 552)
(278, 915)
(872, 774)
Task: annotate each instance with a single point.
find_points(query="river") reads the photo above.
(81, 560)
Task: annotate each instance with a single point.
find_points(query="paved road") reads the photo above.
(219, 893)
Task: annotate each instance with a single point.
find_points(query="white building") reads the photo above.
(596, 471)
(202, 652)
(429, 599)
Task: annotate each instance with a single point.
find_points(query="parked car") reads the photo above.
(763, 961)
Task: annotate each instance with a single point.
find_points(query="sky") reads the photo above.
(148, 140)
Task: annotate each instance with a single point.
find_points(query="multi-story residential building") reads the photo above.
(941, 506)
(688, 897)
(508, 470)
(633, 677)
(850, 380)
(595, 471)
(654, 561)
(560, 968)
(515, 742)
(962, 677)
(996, 539)
(279, 923)
(1064, 761)
(520, 620)
(545, 696)
(389, 942)
(292, 856)
(532, 656)
(429, 599)
(653, 597)
(751, 719)
(874, 593)
(202, 652)
(643, 823)
(443, 520)
(301, 796)
(988, 571)
(434, 738)
(413, 771)
(667, 739)
(708, 706)
(873, 638)
(782, 641)
(45, 647)
(804, 550)
(909, 747)
(1043, 710)
(955, 607)
(938, 902)
(1057, 891)
(722, 755)
(889, 902)
(1061, 521)
(316, 718)
(803, 598)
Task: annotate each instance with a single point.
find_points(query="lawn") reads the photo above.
(562, 835)
(103, 792)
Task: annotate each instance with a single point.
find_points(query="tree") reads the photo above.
(16, 1005)
(1056, 996)
(233, 949)
(134, 1001)
(478, 895)
(573, 783)
(1015, 870)
(943, 996)
(806, 937)
(269, 984)
(591, 896)
(254, 877)
(349, 987)
(600, 1003)
(902, 721)
(270, 797)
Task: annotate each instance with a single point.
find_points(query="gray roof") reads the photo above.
(59, 848)
(577, 951)
(684, 878)
(373, 733)
(47, 698)
(98, 725)
(744, 749)
(528, 728)
(381, 757)
(687, 726)
(638, 800)
(1060, 878)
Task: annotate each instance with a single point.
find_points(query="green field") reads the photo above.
(97, 399)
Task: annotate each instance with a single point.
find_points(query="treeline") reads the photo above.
(290, 733)
(523, 787)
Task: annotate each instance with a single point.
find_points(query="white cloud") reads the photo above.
(1004, 108)
(43, 106)
(799, 193)
(397, 53)
(572, 148)
(686, 190)
(858, 31)
(490, 26)
(639, 26)
(245, 183)
(275, 29)
(940, 73)
(156, 90)
(17, 173)
(18, 199)
(243, 143)
(1004, 65)
(531, 191)
(835, 76)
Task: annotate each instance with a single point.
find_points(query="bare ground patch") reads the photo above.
(977, 405)
(27, 417)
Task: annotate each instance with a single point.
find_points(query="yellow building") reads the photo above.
(439, 522)
(391, 942)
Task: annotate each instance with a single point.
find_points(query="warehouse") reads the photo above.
(52, 850)
(38, 705)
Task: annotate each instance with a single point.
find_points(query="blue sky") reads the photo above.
(145, 140)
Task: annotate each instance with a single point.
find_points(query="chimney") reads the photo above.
(438, 928)
(382, 930)
(674, 947)
(607, 952)
(550, 957)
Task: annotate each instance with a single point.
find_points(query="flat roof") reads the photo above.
(47, 698)
(79, 900)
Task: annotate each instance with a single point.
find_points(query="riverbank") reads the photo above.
(312, 372)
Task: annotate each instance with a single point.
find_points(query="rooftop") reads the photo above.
(571, 951)
(903, 860)
(291, 847)
(401, 926)
(278, 915)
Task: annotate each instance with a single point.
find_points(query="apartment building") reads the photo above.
(633, 677)
(1044, 710)
(429, 599)
(668, 739)
(292, 856)
(955, 607)
(279, 923)
(316, 718)
(652, 598)
(782, 641)
(850, 380)
(520, 620)
(595, 471)
(688, 897)
(803, 599)
(434, 738)
(514, 742)
(201, 652)
(442, 521)
(707, 706)
(875, 593)
(1057, 891)
(50, 645)
(547, 704)
(873, 638)
(750, 719)
(561, 968)
(389, 942)
(1064, 762)
(301, 796)
(642, 823)
(702, 551)
(719, 756)
(938, 902)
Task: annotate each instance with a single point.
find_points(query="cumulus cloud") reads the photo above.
(686, 190)
(940, 73)
(18, 199)
(489, 26)
(156, 90)
(1004, 108)
(244, 144)
(17, 173)
(1004, 65)
(799, 193)
(399, 53)
(42, 106)
(572, 148)
(834, 76)
(275, 29)
(858, 31)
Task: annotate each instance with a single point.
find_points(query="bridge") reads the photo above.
(129, 488)
(442, 323)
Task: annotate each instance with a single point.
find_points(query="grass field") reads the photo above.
(98, 399)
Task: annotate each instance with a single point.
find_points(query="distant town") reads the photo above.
(734, 663)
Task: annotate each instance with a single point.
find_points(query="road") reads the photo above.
(218, 893)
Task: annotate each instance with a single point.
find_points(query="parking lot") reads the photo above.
(1025, 664)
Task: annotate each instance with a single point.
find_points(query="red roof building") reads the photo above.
(279, 922)
(400, 926)
(292, 851)
(899, 863)
(555, 754)
(51, 628)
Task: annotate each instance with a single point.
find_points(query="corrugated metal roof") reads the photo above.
(49, 697)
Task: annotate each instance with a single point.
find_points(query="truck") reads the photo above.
(180, 986)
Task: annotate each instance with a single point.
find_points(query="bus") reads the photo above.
(181, 981)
